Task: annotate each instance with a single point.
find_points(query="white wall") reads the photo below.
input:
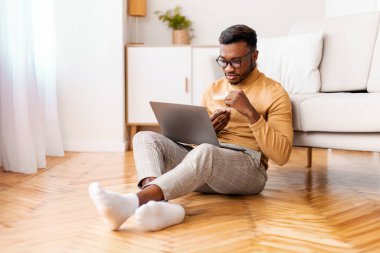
(90, 74)
(268, 17)
(347, 7)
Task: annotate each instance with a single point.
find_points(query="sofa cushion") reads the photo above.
(347, 50)
(374, 74)
(349, 141)
(341, 112)
(296, 100)
(293, 61)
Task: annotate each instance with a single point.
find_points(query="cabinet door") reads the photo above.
(157, 74)
(205, 70)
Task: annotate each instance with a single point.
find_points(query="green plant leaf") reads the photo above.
(173, 18)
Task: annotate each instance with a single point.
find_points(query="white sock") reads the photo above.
(115, 208)
(157, 215)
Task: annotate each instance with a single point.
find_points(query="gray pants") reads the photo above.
(206, 168)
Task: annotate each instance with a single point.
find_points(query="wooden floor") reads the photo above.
(332, 207)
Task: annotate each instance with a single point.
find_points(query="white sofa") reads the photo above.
(345, 113)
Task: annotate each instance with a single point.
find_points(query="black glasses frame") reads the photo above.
(236, 63)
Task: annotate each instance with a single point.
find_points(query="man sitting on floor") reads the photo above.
(258, 119)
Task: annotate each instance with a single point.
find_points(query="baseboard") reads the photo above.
(95, 146)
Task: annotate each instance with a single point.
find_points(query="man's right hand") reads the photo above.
(220, 119)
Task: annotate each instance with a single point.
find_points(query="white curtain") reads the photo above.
(29, 124)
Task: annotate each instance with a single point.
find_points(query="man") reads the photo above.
(258, 118)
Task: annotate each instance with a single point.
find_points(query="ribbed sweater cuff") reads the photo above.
(258, 124)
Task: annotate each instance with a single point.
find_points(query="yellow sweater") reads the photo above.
(272, 134)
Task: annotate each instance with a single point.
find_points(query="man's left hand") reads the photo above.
(220, 119)
(238, 100)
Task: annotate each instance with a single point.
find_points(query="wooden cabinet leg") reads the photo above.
(132, 131)
(309, 157)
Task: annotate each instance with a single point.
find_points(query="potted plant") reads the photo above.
(179, 23)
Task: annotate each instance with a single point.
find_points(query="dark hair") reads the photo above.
(237, 33)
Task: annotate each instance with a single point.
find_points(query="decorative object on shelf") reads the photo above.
(136, 8)
(179, 23)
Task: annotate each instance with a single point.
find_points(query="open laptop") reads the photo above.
(187, 124)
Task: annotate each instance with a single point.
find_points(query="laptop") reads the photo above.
(188, 124)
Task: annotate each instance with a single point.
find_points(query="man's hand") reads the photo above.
(220, 119)
(238, 100)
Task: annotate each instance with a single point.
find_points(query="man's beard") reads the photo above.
(249, 71)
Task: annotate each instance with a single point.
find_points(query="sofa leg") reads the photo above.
(309, 156)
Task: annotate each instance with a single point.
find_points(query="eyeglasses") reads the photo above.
(235, 63)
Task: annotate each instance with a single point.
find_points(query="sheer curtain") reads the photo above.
(29, 124)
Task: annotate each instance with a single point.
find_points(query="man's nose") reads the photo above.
(229, 67)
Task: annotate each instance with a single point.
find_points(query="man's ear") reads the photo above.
(255, 55)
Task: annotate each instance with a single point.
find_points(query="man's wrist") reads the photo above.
(253, 117)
